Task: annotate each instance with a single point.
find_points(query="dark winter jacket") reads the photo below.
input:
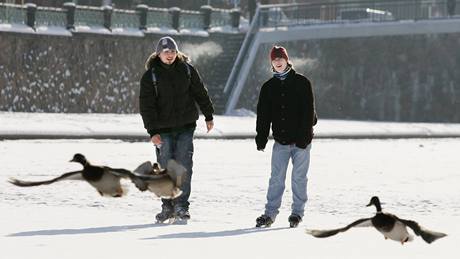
(288, 106)
(171, 105)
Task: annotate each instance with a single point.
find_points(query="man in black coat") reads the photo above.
(286, 103)
(170, 90)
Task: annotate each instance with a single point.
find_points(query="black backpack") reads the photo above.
(154, 77)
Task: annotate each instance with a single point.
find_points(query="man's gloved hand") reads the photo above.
(260, 144)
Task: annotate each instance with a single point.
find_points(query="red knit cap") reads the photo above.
(278, 52)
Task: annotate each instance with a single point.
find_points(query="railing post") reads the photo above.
(252, 6)
(107, 16)
(30, 14)
(451, 7)
(263, 17)
(70, 14)
(175, 16)
(142, 12)
(206, 10)
(235, 14)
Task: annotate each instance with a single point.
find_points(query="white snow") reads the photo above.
(226, 29)
(92, 29)
(194, 32)
(20, 28)
(128, 32)
(48, 30)
(134, 32)
(130, 125)
(415, 178)
(53, 30)
(162, 30)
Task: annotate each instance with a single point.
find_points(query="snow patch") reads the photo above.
(53, 30)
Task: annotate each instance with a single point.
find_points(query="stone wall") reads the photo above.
(391, 78)
(98, 73)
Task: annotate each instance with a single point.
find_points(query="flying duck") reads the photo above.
(388, 224)
(105, 179)
(163, 182)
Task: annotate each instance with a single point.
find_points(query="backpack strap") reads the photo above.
(154, 81)
(189, 72)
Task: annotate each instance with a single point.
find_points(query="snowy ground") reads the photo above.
(18, 125)
(415, 178)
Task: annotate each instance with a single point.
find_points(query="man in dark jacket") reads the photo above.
(170, 89)
(286, 103)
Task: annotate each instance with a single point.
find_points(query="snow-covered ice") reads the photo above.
(129, 126)
(415, 178)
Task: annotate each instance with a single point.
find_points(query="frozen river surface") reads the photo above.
(416, 179)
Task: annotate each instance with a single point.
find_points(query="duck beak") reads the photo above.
(72, 160)
(370, 203)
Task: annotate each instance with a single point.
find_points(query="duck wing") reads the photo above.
(142, 181)
(140, 175)
(176, 171)
(76, 175)
(364, 222)
(144, 168)
(143, 174)
(427, 235)
(120, 172)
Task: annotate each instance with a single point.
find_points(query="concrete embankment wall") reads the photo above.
(89, 72)
(386, 78)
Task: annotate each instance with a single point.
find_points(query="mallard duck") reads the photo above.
(105, 179)
(163, 182)
(389, 225)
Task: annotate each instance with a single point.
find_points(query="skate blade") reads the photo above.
(263, 225)
(175, 221)
(294, 224)
(164, 222)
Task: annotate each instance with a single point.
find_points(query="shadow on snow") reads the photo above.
(53, 232)
(225, 233)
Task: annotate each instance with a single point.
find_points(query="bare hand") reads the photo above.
(209, 125)
(156, 140)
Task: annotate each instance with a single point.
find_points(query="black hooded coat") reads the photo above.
(170, 103)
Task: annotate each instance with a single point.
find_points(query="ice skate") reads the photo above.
(264, 221)
(294, 220)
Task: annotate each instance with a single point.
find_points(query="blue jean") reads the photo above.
(300, 164)
(178, 146)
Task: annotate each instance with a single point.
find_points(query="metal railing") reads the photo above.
(11, 13)
(246, 46)
(221, 18)
(356, 11)
(50, 17)
(89, 16)
(158, 17)
(125, 19)
(317, 13)
(191, 19)
(143, 17)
